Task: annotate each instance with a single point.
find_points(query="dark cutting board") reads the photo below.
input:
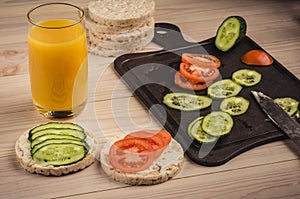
(151, 75)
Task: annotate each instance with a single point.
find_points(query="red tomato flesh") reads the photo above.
(137, 151)
(198, 74)
(184, 83)
(131, 155)
(257, 57)
(159, 139)
(165, 136)
(203, 60)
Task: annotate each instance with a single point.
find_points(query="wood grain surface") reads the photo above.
(268, 171)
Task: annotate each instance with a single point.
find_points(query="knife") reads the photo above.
(279, 117)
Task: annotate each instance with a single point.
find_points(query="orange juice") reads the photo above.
(58, 65)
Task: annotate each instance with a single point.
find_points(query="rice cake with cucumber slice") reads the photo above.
(57, 156)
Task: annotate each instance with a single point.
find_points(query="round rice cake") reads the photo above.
(22, 149)
(120, 12)
(167, 166)
(99, 28)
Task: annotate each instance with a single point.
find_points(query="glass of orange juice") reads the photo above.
(57, 54)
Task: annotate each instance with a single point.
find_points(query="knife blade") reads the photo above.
(287, 124)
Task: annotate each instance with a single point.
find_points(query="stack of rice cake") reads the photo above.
(116, 27)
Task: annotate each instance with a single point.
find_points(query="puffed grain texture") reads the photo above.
(22, 149)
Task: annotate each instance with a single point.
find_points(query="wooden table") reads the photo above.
(268, 171)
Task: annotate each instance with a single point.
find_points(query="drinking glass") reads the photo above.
(57, 55)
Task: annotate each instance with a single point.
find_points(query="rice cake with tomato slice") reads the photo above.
(165, 167)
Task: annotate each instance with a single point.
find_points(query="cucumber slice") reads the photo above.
(246, 77)
(223, 89)
(59, 154)
(230, 32)
(55, 125)
(217, 123)
(58, 141)
(289, 104)
(235, 105)
(196, 132)
(186, 102)
(72, 132)
(43, 138)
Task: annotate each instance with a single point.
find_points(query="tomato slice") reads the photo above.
(159, 139)
(150, 136)
(198, 74)
(131, 155)
(257, 57)
(203, 60)
(184, 83)
(165, 136)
